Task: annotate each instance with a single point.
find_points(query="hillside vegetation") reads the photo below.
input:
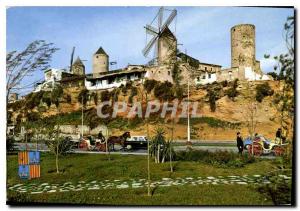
(223, 108)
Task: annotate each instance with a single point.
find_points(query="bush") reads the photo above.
(179, 92)
(217, 158)
(91, 118)
(68, 98)
(212, 100)
(83, 97)
(150, 84)
(105, 96)
(211, 121)
(126, 87)
(133, 93)
(33, 116)
(56, 94)
(164, 91)
(263, 90)
(10, 143)
(33, 100)
(232, 92)
(279, 190)
(115, 93)
(224, 83)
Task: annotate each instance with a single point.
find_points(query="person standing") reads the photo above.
(239, 142)
(278, 136)
(101, 137)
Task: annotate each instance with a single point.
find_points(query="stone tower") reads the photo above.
(78, 67)
(100, 62)
(243, 49)
(167, 46)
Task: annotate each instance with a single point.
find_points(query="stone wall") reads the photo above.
(243, 46)
(100, 64)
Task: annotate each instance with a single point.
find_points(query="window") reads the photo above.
(198, 78)
(97, 57)
(203, 77)
(169, 73)
(209, 75)
(205, 68)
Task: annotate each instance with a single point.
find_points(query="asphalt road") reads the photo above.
(43, 147)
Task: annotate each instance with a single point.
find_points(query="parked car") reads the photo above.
(136, 142)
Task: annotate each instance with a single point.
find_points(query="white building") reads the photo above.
(52, 76)
(251, 75)
(115, 78)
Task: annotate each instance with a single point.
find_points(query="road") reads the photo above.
(177, 147)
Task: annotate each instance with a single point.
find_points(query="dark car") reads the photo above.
(136, 142)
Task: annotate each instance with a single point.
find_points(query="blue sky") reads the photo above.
(203, 31)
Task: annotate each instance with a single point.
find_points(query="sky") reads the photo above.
(204, 32)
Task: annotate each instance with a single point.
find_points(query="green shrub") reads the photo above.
(10, 143)
(91, 118)
(232, 92)
(33, 100)
(83, 97)
(33, 116)
(179, 92)
(212, 100)
(263, 90)
(105, 96)
(210, 121)
(164, 91)
(224, 83)
(150, 84)
(133, 93)
(56, 95)
(68, 98)
(127, 86)
(278, 190)
(217, 158)
(115, 93)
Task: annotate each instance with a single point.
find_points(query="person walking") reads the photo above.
(239, 142)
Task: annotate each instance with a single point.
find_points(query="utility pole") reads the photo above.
(188, 107)
(82, 116)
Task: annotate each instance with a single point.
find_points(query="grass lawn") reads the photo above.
(88, 167)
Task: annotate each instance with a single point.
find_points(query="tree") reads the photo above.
(263, 90)
(19, 65)
(83, 97)
(285, 66)
(160, 147)
(251, 114)
(57, 144)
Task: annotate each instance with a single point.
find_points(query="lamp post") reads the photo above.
(188, 104)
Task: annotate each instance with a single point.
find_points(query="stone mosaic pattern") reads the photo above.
(35, 188)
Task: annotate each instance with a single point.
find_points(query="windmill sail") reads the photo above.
(169, 20)
(149, 46)
(156, 32)
(72, 57)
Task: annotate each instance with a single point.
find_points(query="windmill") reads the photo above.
(162, 38)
